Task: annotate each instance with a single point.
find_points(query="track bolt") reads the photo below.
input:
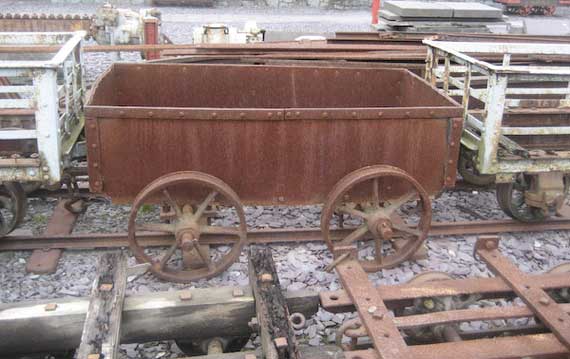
(266, 278)
(280, 342)
(372, 309)
(490, 245)
(429, 304)
(238, 292)
(185, 296)
(50, 307)
(544, 301)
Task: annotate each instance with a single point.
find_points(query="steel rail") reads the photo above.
(287, 235)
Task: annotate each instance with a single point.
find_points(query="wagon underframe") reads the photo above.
(420, 319)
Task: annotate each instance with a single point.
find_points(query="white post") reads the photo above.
(47, 123)
(496, 93)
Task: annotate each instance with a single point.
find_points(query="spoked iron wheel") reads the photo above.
(468, 170)
(397, 205)
(187, 221)
(510, 197)
(12, 206)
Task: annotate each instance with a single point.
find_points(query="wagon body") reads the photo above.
(276, 135)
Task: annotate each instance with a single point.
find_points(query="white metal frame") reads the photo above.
(461, 67)
(52, 92)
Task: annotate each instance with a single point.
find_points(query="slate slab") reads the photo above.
(419, 9)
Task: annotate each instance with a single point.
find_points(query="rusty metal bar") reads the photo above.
(466, 315)
(372, 311)
(289, 235)
(395, 295)
(536, 345)
(535, 297)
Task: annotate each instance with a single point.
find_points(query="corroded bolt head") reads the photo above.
(50, 307)
(490, 245)
(266, 278)
(544, 301)
(280, 342)
(93, 356)
(185, 295)
(238, 292)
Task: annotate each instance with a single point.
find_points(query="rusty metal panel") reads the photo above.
(44, 23)
(276, 135)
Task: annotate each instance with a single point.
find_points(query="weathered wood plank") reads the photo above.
(155, 316)
(277, 335)
(102, 328)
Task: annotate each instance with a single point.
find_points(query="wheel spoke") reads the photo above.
(172, 203)
(352, 211)
(168, 254)
(156, 227)
(405, 229)
(398, 202)
(205, 204)
(230, 231)
(375, 191)
(355, 235)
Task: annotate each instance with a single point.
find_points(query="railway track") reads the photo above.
(115, 240)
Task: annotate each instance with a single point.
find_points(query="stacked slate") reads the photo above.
(420, 16)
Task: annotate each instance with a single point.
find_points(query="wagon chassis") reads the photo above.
(439, 303)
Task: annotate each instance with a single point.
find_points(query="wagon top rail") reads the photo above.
(466, 53)
(16, 40)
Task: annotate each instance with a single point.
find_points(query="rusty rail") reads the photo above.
(113, 240)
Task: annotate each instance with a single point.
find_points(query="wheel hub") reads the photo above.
(381, 227)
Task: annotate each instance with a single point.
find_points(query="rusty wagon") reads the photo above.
(201, 141)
